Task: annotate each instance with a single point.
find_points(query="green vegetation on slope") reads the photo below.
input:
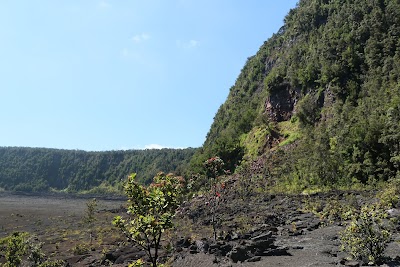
(333, 70)
(39, 169)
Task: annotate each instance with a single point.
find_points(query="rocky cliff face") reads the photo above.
(280, 105)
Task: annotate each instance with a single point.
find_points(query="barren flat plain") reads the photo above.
(57, 222)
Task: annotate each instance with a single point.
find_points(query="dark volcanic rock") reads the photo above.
(265, 236)
(239, 253)
(280, 251)
(352, 263)
(254, 259)
(260, 245)
(220, 248)
(183, 242)
(123, 254)
(193, 249)
(202, 245)
(130, 256)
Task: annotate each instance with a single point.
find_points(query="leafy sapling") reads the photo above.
(90, 217)
(215, 169)
(150, 211)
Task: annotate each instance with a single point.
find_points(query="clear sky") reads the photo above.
(123, 74)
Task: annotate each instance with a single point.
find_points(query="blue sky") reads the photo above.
(127, 74)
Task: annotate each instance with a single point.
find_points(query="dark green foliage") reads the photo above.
(335, 66)
(39, 169)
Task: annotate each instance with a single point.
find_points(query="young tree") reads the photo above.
(90, 216)
(150, 211)
(215, 168)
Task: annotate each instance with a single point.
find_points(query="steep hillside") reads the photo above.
(319, 104)
(39, 169)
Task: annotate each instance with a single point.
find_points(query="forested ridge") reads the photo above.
(319, 104)
(43, 169)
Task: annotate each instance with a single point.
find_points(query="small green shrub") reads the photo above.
(312, 205)
(366, 237)
(55, 263)
(332, 210)
(36, 255)
(81, 249)
(137, 263)
(14, 247)
(389, 197)
(335, 210)
(22, 249)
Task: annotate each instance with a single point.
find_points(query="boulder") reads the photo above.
(239, 253)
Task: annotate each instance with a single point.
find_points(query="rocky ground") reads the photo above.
(276, 230)
(255, 229)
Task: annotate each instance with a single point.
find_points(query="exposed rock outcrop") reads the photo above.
(280, 105)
